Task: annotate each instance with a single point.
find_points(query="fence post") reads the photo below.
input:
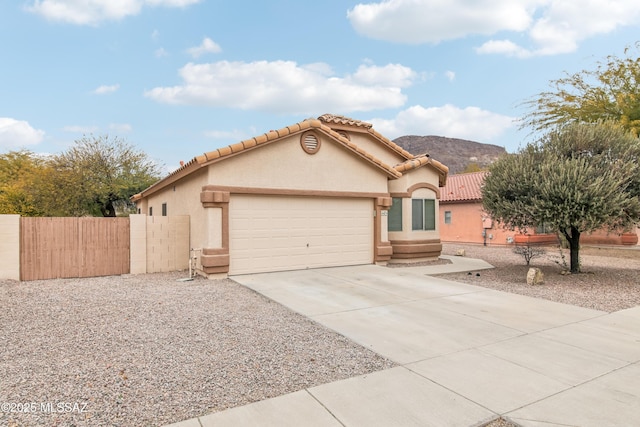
(138, 243)
(10, 247)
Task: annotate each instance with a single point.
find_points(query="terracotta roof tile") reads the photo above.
(294, 128)
(212, 155)
(463, 187)
(260, 139)
(412, 163)
(249, 143)
(283, 132)
(423, 160)
(224, 151)
(368, 127)
(342, 120)
(237, 147)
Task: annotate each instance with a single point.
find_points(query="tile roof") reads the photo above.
(321, 124)
(222, 153)
(368, 127)
(212, 156)
(342, 120)
(420, 161)
(464, 187)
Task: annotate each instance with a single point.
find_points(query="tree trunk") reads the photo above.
(108, 210)
(573, 237)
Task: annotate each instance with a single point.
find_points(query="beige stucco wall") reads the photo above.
(167, 243)
(138, 244)
(425, 174)
(368, 143)
(285, 165)
(10, 247)
(159, 244)
(183, 198)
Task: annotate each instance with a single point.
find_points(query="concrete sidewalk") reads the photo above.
(466, 354)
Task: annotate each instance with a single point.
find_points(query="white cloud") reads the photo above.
(120, 127)
(207, 46)
(503, 47)
(389, 75)
(286, 87)
(432, 21)
(161, 53)
(471, 123)
(18, 133)
(235, 135)
(551, 26)
(80, 129)
(92, 12)
(450, 75)
(104, 89)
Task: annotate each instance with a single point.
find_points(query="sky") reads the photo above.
(176, 78)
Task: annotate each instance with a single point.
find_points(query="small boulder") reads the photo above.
(461, 252)
(535, 277)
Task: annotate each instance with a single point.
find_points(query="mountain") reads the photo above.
(455, 153)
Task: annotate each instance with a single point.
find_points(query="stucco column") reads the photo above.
(138, 243)
(383, 249)
(215, 258)
(10, 247)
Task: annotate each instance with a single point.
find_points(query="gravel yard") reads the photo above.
(610, 280)
(149, 350)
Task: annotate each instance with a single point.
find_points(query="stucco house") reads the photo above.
(462, 219)
(461, 216)
(323, 192)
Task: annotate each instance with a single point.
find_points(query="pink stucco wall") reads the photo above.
(468, 224)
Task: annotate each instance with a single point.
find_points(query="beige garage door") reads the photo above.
(269, 233)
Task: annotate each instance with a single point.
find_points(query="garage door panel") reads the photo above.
(269, 233)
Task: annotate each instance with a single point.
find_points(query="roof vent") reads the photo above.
(310, 142)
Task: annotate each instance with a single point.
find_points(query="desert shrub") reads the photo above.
(529, 252)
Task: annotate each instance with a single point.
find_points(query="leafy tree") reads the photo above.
(611, 92)
(21, 173)
(578, 178)
(97, 175)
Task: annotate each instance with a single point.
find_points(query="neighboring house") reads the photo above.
(462, 219)
(323, 192)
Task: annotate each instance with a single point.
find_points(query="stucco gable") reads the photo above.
(220, 154)
(424, 160)
(338, 122)
(273, 136)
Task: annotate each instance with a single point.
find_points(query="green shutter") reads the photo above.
(429, 214)
(417, 214)
(395, 215)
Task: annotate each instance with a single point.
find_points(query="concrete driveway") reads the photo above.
(465, 354)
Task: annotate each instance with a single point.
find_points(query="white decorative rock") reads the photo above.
(535, 277)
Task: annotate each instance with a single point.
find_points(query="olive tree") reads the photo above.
(578, 178)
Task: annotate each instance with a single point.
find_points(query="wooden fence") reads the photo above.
(73, 247)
